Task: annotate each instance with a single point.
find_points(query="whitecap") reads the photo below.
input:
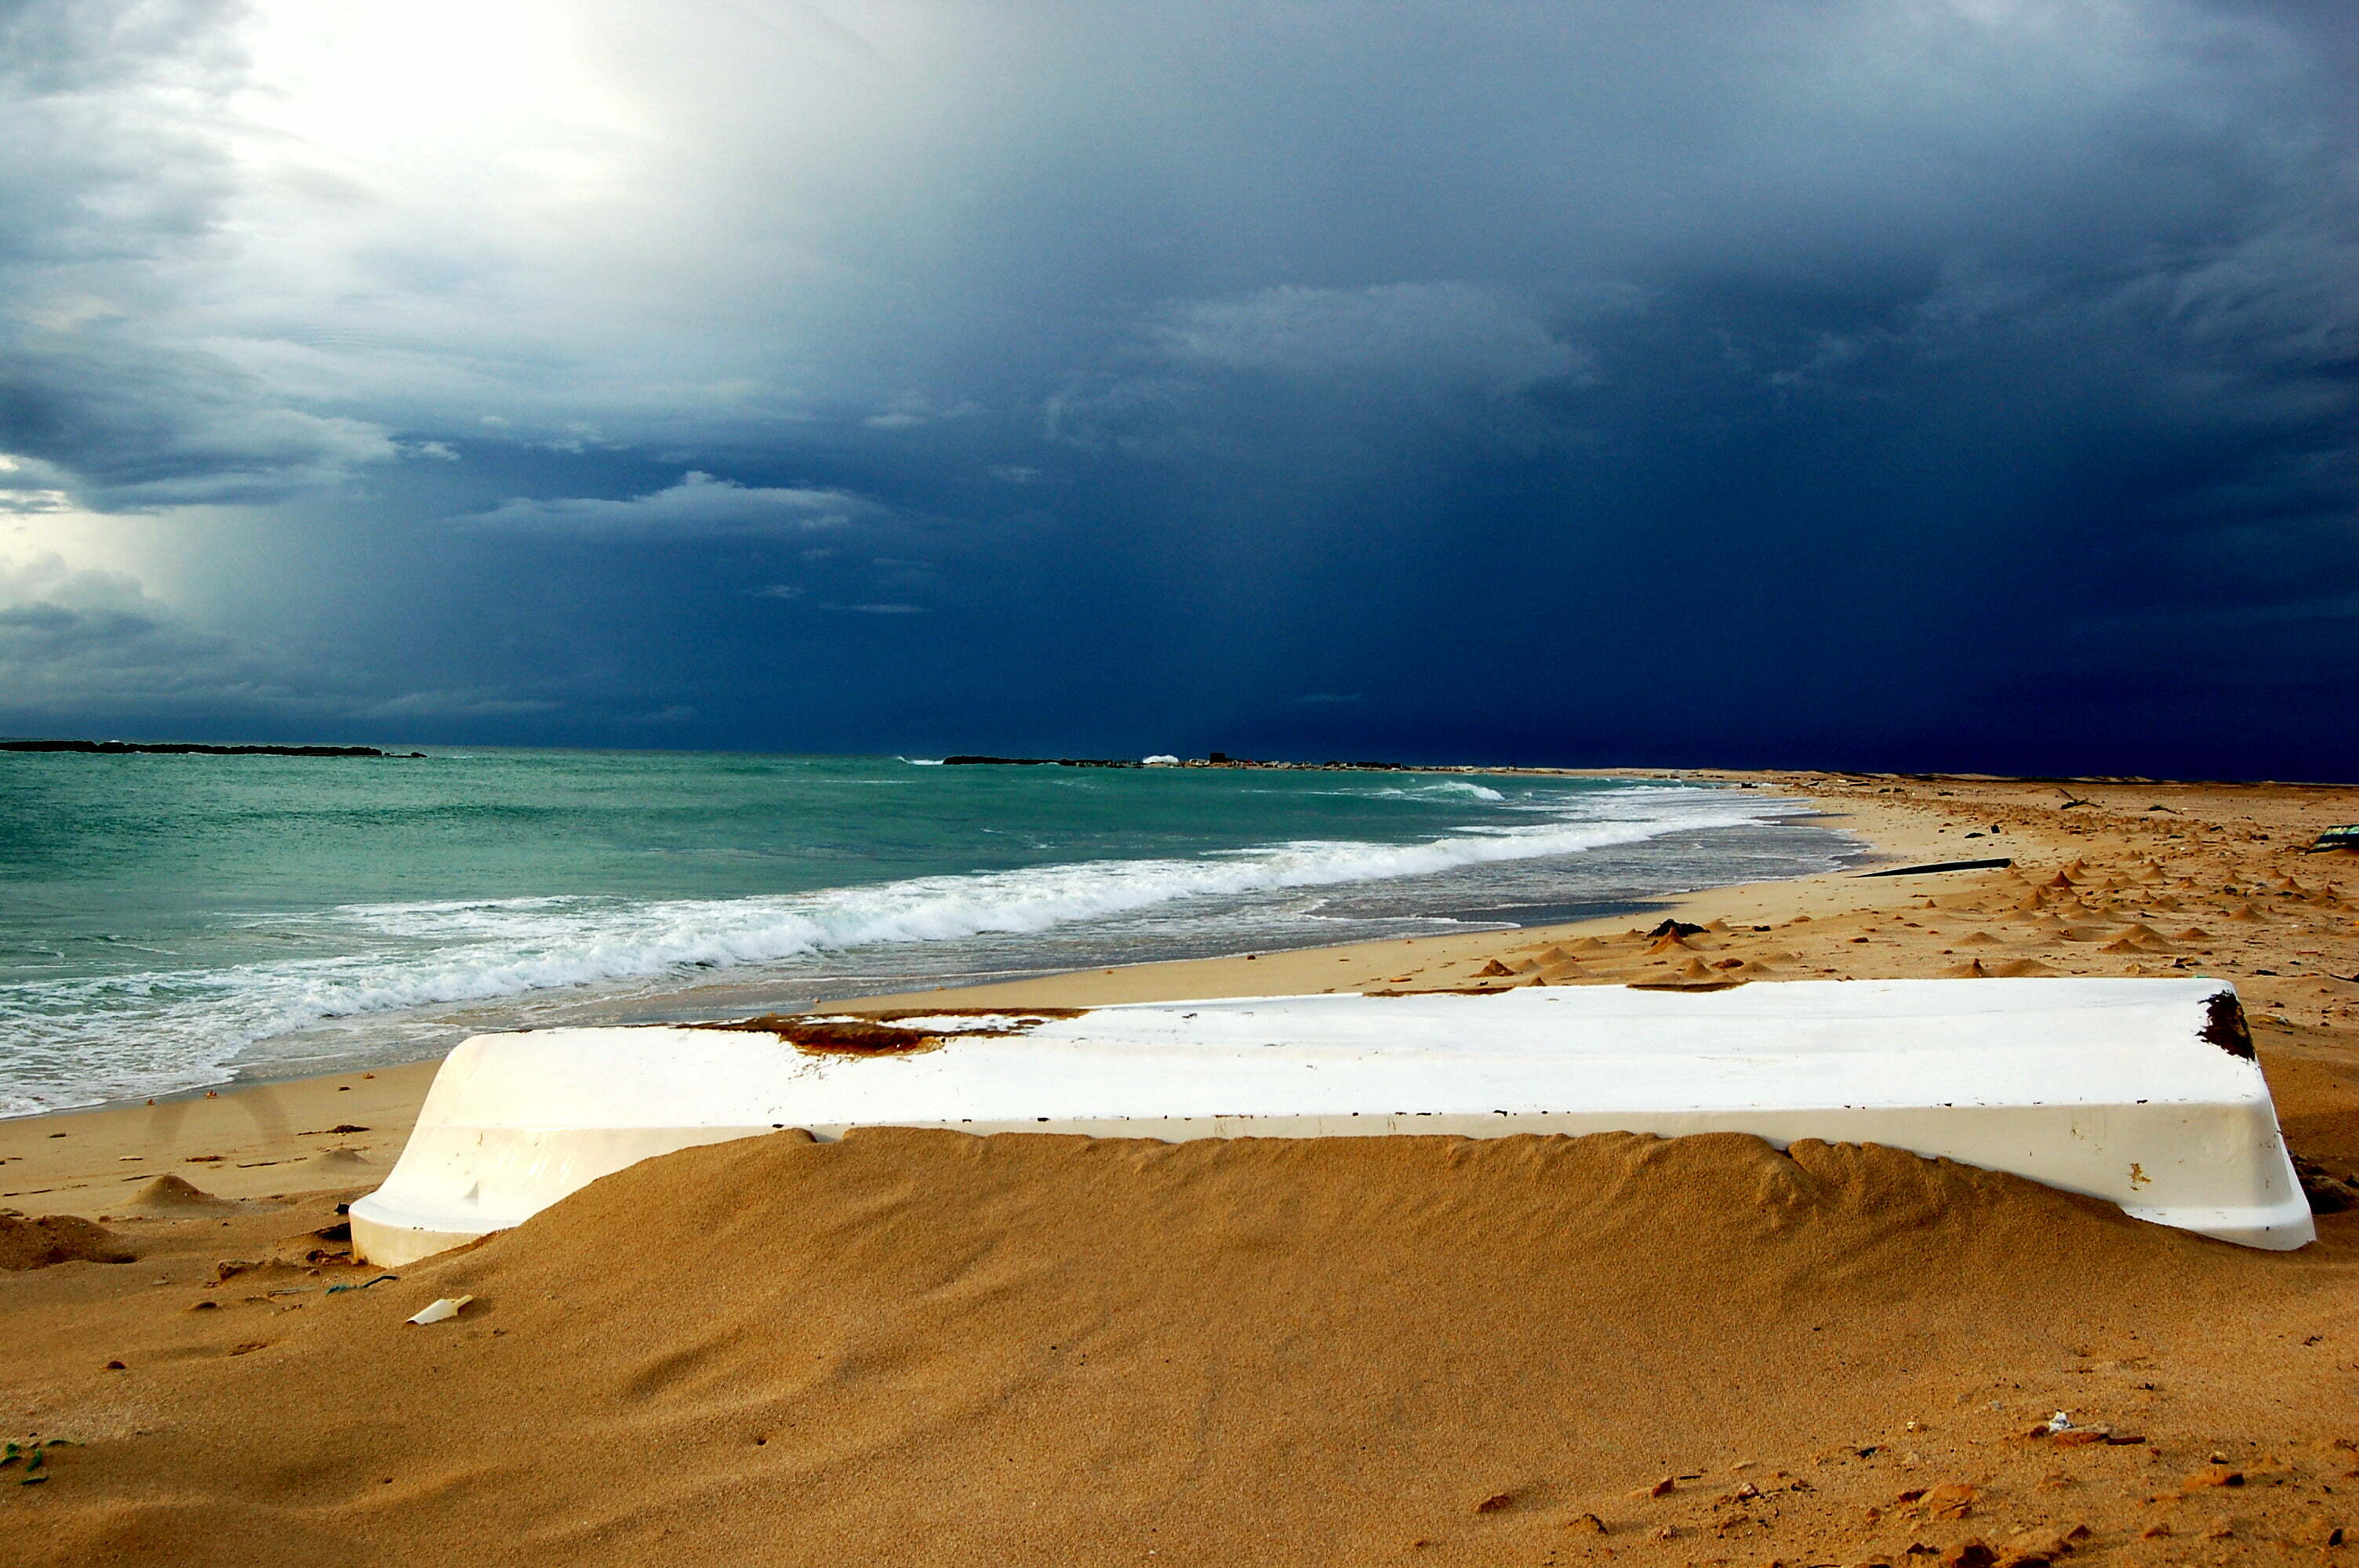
(78, 1040)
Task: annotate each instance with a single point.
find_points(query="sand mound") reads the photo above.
(921, 1348)
(2139, 938)
(351, 1159)
(56, 1238)
(176, 1196)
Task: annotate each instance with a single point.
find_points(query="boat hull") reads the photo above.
(2142, 1093)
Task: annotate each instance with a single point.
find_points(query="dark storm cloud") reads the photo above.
(1965, 383)
(141, 425)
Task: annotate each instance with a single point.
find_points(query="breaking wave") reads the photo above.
(1447, 790)
(147, 1032)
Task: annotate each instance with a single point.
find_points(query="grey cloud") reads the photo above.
(78, 642)
(130, 425)
(576, 438)
(53, 620)
(1449, 334)
(51, 48)
(671, 713)
(453, 705)
(78, 646)
(103, 167)
(111, 206)
(1198, 377)
(108, 188)
(911, 410)
(47, 580)
(30, 488)
(1137, 414)
(2281, 299)
(700, 505)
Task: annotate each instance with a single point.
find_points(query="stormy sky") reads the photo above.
(1921, 383)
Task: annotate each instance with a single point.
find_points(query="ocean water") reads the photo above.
(170, 922)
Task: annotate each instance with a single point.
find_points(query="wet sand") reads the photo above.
(920, 1348)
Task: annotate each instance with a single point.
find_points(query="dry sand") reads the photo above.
(921, 1348)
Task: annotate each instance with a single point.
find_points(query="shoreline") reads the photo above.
(403, 1035)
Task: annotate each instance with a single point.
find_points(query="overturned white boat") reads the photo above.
(2143, 1092)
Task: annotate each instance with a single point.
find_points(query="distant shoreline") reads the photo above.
(191, 748)
(1222, 760)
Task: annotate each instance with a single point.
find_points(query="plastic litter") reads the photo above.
(441, 1311)
(365, 1284)
(2060, 1421)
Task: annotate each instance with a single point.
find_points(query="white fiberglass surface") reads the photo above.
(1595, 1048)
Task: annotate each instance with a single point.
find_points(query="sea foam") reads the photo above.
(86, 1040)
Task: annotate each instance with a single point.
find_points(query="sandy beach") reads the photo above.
(920, 1348)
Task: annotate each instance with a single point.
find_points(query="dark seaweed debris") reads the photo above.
(2225, 1026)
(882, 1034)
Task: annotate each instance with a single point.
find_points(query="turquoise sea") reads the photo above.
(168, 922)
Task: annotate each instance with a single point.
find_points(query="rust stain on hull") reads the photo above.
(881, 1034)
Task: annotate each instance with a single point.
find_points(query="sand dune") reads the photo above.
(923, 1347)
(173, 1197)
